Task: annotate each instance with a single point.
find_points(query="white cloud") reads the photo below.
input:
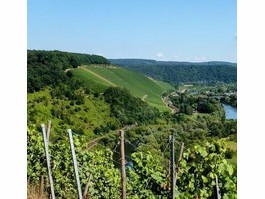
(160, 56)
(176, 57)
(198, 59)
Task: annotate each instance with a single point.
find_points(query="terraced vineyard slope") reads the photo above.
(99, 78)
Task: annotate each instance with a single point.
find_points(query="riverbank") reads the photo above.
(230, 112)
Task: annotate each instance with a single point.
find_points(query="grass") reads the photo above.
(233, 161)
(99, 78)
(232, 145)
(165, 85)
(34, 193)
(90, 80)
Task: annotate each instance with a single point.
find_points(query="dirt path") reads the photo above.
(70, 69)
(168, 103)
(94, 142)
(67, 69)
(152, 80)
(99, 76)
(143, 98)
(183, 91)
(186, 87)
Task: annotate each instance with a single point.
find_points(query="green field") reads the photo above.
(99, 78)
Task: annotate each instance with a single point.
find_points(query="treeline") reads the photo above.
(47, 68)
(188, 104)
(231, 100)
(129, 109)
(227, 94)
(182, 72)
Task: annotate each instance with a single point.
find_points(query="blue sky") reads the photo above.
(175, 30)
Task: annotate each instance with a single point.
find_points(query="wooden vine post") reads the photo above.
(177, 166)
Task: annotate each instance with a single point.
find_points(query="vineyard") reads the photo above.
(100, 78)
(147, 175)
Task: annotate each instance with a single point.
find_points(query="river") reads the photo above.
(230, 112)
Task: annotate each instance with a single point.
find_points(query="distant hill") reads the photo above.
(100, 77)
(182, 72)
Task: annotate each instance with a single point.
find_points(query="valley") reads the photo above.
(97, 99)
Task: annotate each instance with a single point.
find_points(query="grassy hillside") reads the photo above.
(99, 78)
(81, 118)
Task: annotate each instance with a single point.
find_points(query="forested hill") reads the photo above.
(182, 72)
(46, 68)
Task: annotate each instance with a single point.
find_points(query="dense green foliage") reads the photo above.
(199, 168)
(231, 100)
(46, 68)
(147, 178)
(129, 109)
(95, 167)
(70, 108)
(225, 93)
(189, 103)
(182, 72)
(189, 130)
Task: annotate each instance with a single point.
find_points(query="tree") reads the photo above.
(216, 128)
(46, 68)
(69, 73)
(129, 109)
(74, 62)
(188, 110)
